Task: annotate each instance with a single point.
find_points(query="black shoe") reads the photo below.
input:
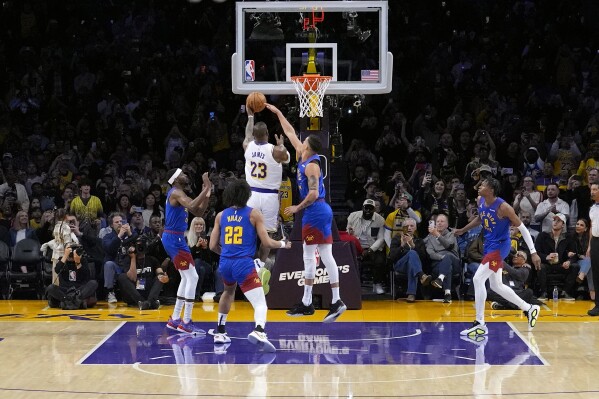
(143, 305)
(497, 306)
(447, 298)
(301, 310)
(594, 311)
(437, 283)
(155, 304)
(336, 310)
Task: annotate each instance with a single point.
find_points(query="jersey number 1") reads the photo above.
(233, 235)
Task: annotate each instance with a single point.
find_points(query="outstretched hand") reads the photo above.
(290, 210)
(280, 139)
(206, 183)
(272, 108)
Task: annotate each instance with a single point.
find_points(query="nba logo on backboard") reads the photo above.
(250, 71)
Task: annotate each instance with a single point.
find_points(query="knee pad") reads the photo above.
(309, 267)
(309, 261)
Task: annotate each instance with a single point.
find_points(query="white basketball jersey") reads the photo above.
(261, 169)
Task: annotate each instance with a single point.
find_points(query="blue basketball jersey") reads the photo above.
(302, 180)
(238, 235)
(175, 216)
(497, 230)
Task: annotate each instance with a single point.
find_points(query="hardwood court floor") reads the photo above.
(387, 349)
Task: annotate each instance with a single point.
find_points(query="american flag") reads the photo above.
(369, 74)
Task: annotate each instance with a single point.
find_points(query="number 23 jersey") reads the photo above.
(261, 169)
(237, 233)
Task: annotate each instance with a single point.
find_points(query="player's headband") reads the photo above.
(174, 176)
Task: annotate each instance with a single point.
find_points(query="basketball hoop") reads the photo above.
(310, 90)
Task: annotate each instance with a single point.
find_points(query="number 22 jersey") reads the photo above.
(237, 235)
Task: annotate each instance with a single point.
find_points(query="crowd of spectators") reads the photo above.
(99, 99)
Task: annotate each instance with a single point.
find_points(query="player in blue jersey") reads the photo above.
(178, 204)
(234, 237)
(496, 215)
(316, 220)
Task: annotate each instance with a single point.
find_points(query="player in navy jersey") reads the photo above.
(316, 221)
(234, 237)
(178, 204)
(496, 215)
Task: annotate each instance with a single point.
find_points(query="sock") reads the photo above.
(307, 299)
(447, 292)
(178, 308)
(222, 320)
(335, 295)
(187, 310)
(441, 277)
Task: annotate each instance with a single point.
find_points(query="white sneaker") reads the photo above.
(378, 288)
(258, 264)
(111, 298)
(533, 314)
(259, 338)
(221, 338)
(475, 330)
(221, 349)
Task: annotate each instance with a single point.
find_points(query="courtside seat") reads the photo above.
(25, 271)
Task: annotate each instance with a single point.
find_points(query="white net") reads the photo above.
(310, 90)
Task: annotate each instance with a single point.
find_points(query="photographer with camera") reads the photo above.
(111, 243)
(76, 288)
(143, 280)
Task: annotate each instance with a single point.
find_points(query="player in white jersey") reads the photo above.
(263, 172)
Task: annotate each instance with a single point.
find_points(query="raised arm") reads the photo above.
(198, 205)
(249, 129)
(287, 128)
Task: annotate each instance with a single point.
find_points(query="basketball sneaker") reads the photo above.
(173, 324)
(532, 314)
(264, 275)
(335, 311)
(478, 340)
(258, 264)
(221, 338)
(476, 330)
(220, 348)
(301, 310)
(190, 328)
(259, 338)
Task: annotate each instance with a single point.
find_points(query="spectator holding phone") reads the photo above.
(528, 200)
(432, 198)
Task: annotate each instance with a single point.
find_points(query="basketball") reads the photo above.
(256, 101)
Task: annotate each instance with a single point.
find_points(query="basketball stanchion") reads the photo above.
(310, 90)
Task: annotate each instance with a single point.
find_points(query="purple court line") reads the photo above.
(106, 338)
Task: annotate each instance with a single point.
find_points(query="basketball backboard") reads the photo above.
(347, 40)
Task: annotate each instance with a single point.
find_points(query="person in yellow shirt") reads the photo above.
(591, 161)
(86, 207)
(394, 223)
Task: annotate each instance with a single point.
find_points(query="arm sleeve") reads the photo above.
(527, 238)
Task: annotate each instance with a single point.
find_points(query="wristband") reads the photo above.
(283, 244)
